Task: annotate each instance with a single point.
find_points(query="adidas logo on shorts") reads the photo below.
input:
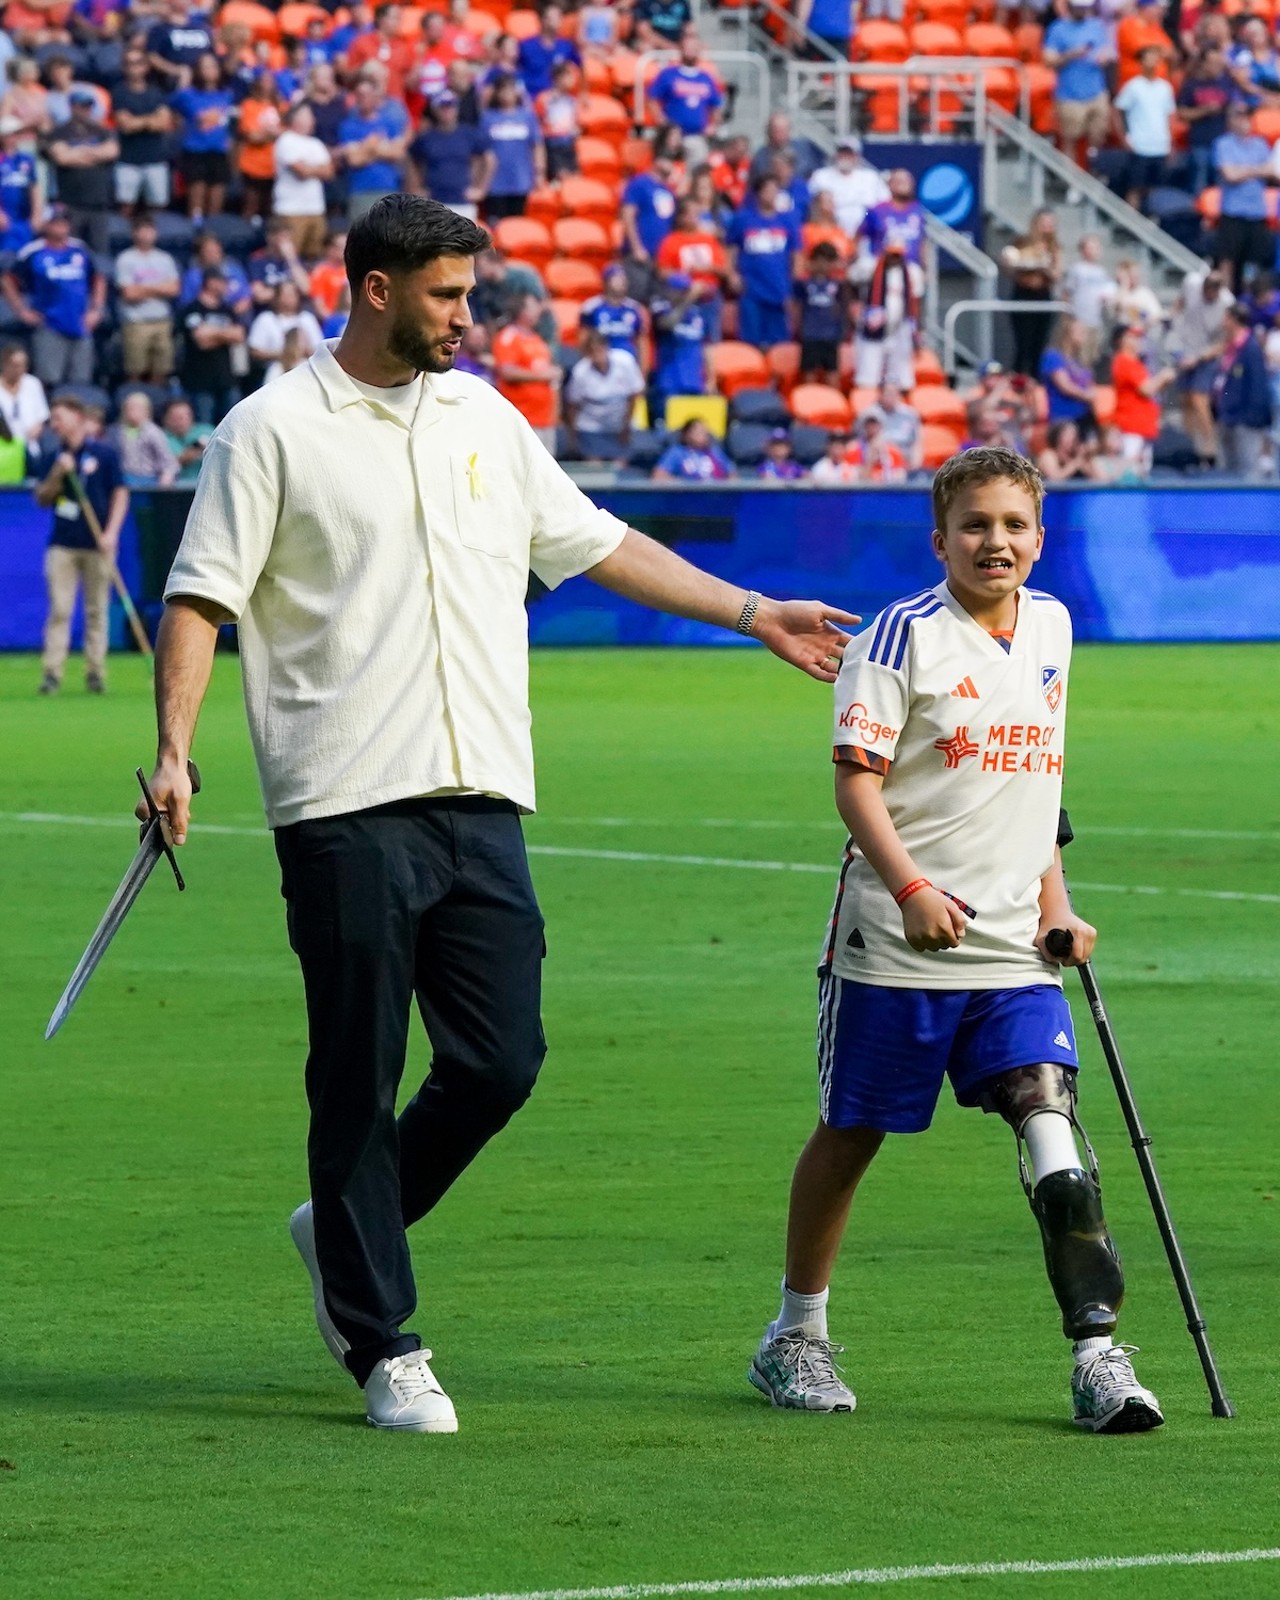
(1061, 1040)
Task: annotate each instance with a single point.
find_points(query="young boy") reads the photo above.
(950, 714)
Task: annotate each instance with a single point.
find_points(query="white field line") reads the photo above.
(778, 823)
(17, 819)
(861, 1575)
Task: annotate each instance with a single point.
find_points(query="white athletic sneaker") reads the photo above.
(403, 1393)
(1108, 1397)
(302, 1230)
(799, 1373)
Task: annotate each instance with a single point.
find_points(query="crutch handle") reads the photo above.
(1058, 942)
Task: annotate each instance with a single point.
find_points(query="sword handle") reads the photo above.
(157, 818)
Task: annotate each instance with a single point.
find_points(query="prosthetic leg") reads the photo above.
(1082, 1262)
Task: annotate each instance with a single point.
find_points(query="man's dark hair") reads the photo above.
(403, 232)
(825, 251)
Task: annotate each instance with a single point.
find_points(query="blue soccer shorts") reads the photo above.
(883, 1053)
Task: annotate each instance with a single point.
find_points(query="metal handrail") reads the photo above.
(1014, 307)
(979, 265)
(1093, 192)
(750, 57)
(937, 69)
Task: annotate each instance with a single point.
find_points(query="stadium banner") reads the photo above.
(1133, 564)
(948, 180)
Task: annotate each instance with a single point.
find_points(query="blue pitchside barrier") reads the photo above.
(1132, 564)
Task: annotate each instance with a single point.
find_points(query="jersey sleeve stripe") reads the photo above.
(888, 618)
(904, 631)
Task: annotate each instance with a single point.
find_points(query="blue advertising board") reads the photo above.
(948, 179)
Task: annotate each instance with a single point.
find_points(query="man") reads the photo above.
(1243, 160)
(648, 209)
(764, 249)
(1244, 397)
(621, 320)
(303, 167)
(900, 222)
(55, 289)
(142, 122)
(598, 401)
(853, 185)
(526, 375)
(1198, 337)
(681, 335)
(541, 55)
(1203, 97)
(900, 424)
(187, 438)
(385, 44)
(452, 161)
(83, 153)
(1142, 30)
(176, 44)
(659, 23)
(695, 251)
(146, 286)
(328, 104)
(688, 97)
(372, 139)
(1078, 48)
(828, 20)
(21, 195)
(376, 555)
(1144, 111)
(779, 142)
(276, 263)
(210, 330)
(74, 560)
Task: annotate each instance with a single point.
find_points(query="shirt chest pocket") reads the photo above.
(482, 513)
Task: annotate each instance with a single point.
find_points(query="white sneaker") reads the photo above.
(799, 1373)
(402, 1392)
(1108, 1397)
(302, 1230)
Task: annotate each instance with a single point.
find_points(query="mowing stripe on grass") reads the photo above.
(833, 826)
(18, 819)
(860, 1575)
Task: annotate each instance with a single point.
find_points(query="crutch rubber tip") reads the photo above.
(1223, 1408)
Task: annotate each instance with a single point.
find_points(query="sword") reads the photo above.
(156, 842)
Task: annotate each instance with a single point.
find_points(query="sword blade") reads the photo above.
(150, 851)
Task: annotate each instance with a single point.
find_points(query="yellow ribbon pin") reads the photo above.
(473, 476)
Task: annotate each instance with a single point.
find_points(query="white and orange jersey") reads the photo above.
(967, 728)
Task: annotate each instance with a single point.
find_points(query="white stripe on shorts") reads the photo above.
(828, 1009)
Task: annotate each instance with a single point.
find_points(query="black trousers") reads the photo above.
(428, 899)
(1030, 331)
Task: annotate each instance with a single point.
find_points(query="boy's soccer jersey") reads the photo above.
(969, 735)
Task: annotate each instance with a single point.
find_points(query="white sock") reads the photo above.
(807, 1312)
(1051, 1145)
(1084, 1348)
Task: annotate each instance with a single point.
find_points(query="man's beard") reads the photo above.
(409, 344)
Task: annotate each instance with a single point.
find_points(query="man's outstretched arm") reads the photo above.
(184, 659)
(804, 632)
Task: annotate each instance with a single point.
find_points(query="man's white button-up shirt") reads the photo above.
(378, 573)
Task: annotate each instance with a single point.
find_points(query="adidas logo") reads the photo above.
(855, 941)
(966, 689)
(1061, 1040)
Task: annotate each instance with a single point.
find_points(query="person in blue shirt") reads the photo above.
(793, 192)
(176, 44)
(696, 459)
(541, 55)
(648, 209)
(616, 315)
(821, 302)
(779, 465)
(55, 289)
(207, 109)
(680, 334)
(830, 20)
(1243, 160)
(897, 222)
(74, 559)
(659, 23)
(372, 140)
(208, 255)
(1067, 380)
(514, 136)
(21, 199)
(1243, 397)
(1078, 48)
(685, 93)
(763, 243)
(452, 159)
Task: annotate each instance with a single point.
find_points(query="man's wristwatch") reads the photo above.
(748, 617)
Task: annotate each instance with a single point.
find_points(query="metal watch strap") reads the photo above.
(748, 616)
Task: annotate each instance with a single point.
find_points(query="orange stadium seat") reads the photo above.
(571, 280)
(598, 158)
(483, 24)
(737, 366)
(986, 39)
(1002, 87)
(820, 405)
(861, 400)
(1266, 123)
(1104, 403)
(526, 239)
(596, 76)
(880, 41)
(582, 240)
(297, 16)
(411, 21)
(617, 235)
(928, 368)
(588, 197)
(603, 118)
(784, 366)
(544, 204)
(1209, 205)
(950, 13)
(936, 39)
(1041, 83)
(940, 405)
(261, 23)
(567, 314)
(623, 66)
(1028, 41)
(523, 25)
(637, 155)
(939, 444)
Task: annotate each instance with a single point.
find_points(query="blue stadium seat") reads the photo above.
(808, 443)
(762, 406)
(746, 442)
(236, 236)
(646, 447)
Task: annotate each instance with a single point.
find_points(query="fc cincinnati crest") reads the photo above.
(1051, 685)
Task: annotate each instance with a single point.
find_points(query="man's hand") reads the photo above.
(1083, 937)
(932, 922)
(171, 791)
(804, 632)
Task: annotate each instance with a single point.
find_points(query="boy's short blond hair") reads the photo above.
(988, 464)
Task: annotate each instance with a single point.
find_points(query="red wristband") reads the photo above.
(913, 887)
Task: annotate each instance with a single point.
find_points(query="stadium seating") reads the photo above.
(939, 405)
(525, 239)
(939, 444)
(820, 405)
(572, 280)
(583, 240)
(737, 366)
(765, 406)
(712, 409)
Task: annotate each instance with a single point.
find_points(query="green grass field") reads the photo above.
(170, 1425)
